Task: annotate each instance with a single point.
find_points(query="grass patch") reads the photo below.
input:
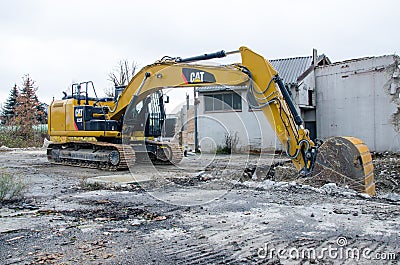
(11, 188)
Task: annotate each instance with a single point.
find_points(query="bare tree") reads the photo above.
(121, 75)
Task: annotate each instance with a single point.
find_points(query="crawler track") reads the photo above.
(169, 153)
(176, 151)
(100, 155)
(104, 156)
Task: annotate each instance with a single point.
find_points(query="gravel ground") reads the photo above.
(212, 213)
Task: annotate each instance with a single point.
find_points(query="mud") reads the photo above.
(232, 210)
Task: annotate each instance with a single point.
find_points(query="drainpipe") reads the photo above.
(187, 121)
(315, 57)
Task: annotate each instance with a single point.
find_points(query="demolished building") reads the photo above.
(356, 97)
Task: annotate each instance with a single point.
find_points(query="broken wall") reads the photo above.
(360, 98)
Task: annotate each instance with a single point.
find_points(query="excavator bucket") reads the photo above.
(347, 162)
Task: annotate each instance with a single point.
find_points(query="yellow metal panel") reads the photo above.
(63, 139)
(366, 157)
(370, 190)
(87, 133)
(369, 180)
(57, 117)
(354, 140)
(69, 115)
(363, 149)
(368, 168)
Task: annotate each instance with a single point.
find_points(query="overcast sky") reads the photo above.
(59, 42)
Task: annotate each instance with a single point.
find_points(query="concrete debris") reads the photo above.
(46, 143)
(341, 211)
(4, 148)
(14, 238)
(333, 189)
(390, 197)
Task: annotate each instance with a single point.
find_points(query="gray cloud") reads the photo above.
(58, 42)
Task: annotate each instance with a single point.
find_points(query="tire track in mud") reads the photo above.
(182, 247)
(240, 233)
(218, 244)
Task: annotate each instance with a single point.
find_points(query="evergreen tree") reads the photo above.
(23, 111)
(8, 111)
(42, 113)
(28, 107)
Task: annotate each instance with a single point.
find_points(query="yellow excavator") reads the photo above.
(111, 133)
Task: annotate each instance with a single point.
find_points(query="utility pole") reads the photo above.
(195, 103)
(187, 121)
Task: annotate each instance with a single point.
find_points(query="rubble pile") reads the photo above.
(387, 172)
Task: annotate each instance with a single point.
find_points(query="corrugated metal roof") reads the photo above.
(291, 68)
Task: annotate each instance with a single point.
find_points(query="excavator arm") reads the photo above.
(275, 102)
(263, 82)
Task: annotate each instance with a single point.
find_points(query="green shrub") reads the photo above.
(12, 137)
(223, 150)
(231, 141)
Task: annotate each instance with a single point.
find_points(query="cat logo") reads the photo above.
(195, 76)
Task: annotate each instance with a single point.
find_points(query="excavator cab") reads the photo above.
(144, 129)
(148, 116)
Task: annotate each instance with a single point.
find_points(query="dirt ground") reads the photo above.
(209, 210)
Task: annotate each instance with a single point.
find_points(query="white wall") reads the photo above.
(308, 83)
(252, 128)
(354, 99)
(359, 98)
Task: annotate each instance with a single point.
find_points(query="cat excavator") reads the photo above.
(111, 133)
